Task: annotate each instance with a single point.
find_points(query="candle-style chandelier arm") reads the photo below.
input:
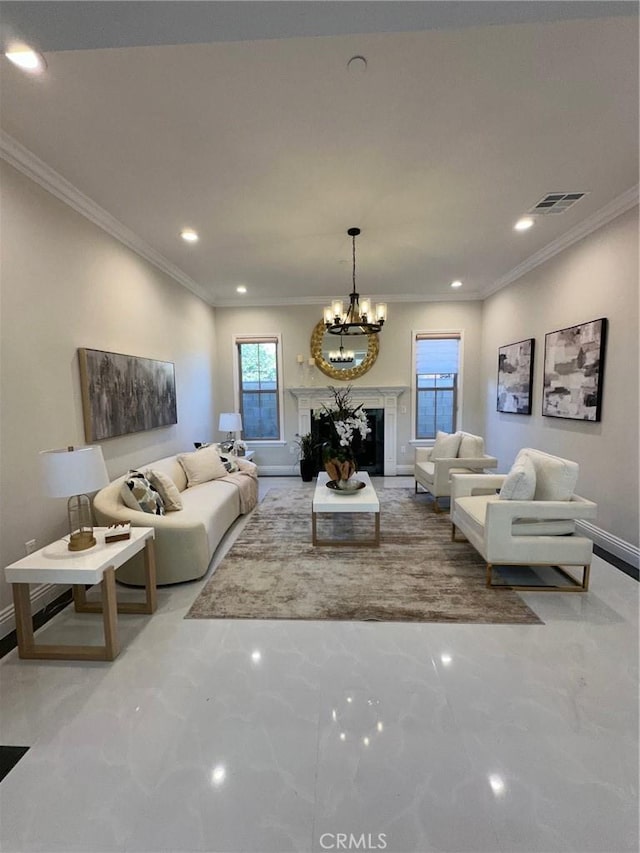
(356, 320)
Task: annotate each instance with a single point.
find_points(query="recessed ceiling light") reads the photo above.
(189, 235)
(456, 284)
(357, 64)
(27, 59)
(241, 288)
(523, 224)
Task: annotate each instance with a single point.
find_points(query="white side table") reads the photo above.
(56, 564)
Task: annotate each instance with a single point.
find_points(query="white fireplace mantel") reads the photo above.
(381, 397)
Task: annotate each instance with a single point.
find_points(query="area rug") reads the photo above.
(417, 574)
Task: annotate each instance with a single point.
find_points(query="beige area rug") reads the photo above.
(416, 574)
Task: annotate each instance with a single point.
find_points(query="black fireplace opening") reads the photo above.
(369, 452)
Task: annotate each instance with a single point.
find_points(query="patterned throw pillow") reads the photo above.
(230, 463)
(139, 494)
(167, 489)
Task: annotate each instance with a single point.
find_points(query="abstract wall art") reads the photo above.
(124, 393)
(573, 371)
(515, 377)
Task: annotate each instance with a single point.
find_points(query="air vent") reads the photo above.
(556, 203)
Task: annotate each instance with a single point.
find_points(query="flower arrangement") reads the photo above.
(347, 423)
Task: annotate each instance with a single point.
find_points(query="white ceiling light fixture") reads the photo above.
(26, 58)
(357, 64)
(456, 283)
(189, 235)
(356, 319)
(241, 289)
(523, 224)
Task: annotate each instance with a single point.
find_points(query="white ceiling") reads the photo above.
(271, 148)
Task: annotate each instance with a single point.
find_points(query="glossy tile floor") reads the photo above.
(310, 736)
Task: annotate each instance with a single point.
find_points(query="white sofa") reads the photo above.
(539, 532)
(185, 539)
(434, 475)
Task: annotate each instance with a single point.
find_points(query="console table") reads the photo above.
(55, 564)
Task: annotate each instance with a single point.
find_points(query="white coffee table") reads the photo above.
(327, 501)
(55, 564)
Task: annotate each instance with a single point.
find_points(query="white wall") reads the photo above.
(393, 365)
(597, 277)
(67, 284)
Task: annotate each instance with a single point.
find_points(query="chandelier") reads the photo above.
(357, 319)
(341, 356)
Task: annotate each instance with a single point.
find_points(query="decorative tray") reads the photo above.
(357, 485)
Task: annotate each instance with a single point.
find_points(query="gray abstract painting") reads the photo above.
(573, 368)
(124, 393)
(515, 377)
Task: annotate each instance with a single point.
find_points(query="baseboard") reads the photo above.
(294, 470)
(279, 470)
(40, 596)
(404, 470)
(613, 544)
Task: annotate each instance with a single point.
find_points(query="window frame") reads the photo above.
(260, 339)
(459, 396)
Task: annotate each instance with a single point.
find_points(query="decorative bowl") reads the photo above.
(352, 487)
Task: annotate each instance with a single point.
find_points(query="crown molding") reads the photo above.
(37, 170)
(266, 302)
(618, 206)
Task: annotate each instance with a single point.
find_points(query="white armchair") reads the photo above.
(434, 475)
(537, 532)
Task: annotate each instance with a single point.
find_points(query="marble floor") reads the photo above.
(263, 736)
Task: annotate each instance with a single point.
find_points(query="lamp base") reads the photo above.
(80, 541)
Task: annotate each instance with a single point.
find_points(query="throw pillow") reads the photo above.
(520, 484)
(471, 446)
(230, 463)
(202, 465)
(138, 493)
(556, 478)
(167, 489)
(446, 445)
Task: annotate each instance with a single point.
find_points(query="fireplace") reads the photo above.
(369, 452)
(384, 399)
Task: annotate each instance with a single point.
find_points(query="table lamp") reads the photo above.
(230, 422)
(71, 473)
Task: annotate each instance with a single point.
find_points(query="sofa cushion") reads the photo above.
(138, 493)
(475, 510)
(556, 478)
(201, 466)
(446, 445)
(170, 466)
(520, 483)
(167, 489)
(471, 446)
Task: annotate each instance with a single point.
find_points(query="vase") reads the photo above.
(339, 470)
(307, 470)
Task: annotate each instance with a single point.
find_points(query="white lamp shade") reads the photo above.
(230, 422)
(73, 472)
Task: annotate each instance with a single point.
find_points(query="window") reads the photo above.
(437, 358)
(259, 388)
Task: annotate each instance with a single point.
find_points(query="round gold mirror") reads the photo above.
(364, 347)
